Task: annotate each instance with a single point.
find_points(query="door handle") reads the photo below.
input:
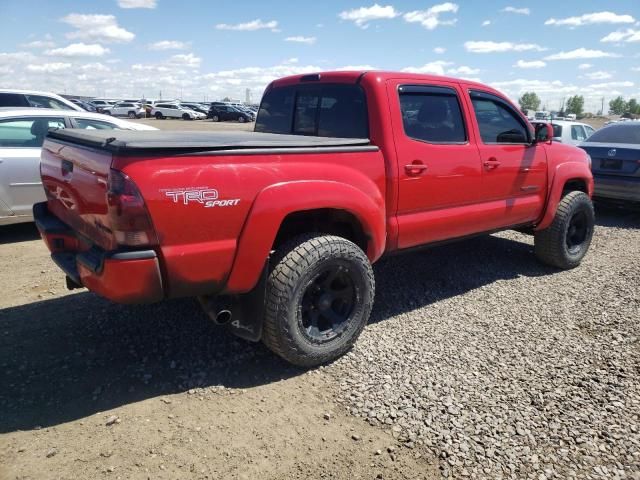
(491, 163)
(415, 168)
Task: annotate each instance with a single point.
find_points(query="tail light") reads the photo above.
(129, 218)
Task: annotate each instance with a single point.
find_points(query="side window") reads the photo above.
(497, 122)
(13, 100)
(577, 133)
(46, 102)
(589, 130)
(26, 132)
(91, 124)
(432, 114)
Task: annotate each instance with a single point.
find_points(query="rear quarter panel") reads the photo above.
(198, 243)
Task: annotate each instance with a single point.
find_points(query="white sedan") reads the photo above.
(22, 133)
(572, 133)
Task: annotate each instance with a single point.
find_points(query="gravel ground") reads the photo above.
(502, 367)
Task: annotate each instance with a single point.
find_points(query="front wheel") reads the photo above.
(132, 115)
(241, 119)
(159, 116)
(566, 241)
(186, 116)
(215, 118)
(319, 297)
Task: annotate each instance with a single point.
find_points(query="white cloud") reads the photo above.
(301, 39)
(600, 75)
(463, 70)
(581, 53)
(356, 68)
(435, 68)
(6, 70)
(185, 60)
(486, 23)
(591, 19)
(439, 50)
(78, 50)
(103, 28)
(635, 69)
(49, 67)
(628, 36)
(499, 47)
(256, 24)
(16, 57)
(95, 67)
(585, 66)
(530, 64)
(430, 18)
(137, 3)
(168, 45)
(608, 85)
(518, 11)
(39, 44)
(363, 15)
(291, 60)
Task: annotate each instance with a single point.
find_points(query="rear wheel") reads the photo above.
(566, 241)
(132, 114)
(215, 118)
(159, 116)
(319, 296)
(241, 119)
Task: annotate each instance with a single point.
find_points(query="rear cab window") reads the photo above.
(432, 114)
(325, 110)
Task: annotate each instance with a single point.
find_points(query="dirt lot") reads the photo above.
(478, 362)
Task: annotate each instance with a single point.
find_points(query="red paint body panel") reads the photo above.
(210, 249)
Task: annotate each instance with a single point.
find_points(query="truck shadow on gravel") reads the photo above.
(69, 357)
(20, 232)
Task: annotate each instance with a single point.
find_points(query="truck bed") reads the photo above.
(125, 142)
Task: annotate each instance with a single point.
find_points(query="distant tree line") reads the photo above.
(575, 104)
(619, 106)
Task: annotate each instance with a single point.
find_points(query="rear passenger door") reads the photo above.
(514, 171)
(439, 171)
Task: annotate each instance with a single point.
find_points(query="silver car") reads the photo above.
(22, 133)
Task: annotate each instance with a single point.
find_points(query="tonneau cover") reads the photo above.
(130, 141)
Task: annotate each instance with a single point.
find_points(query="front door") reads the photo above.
(514, 171)
(20, 144)
(439, 167)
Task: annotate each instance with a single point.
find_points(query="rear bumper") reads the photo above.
(120, 276)
(618, 188)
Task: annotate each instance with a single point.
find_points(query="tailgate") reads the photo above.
(614, 160)
(75, 180)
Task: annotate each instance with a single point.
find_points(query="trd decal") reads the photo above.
(205, 196)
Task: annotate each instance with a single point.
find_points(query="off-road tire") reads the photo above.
(551, 243)
(294, 266)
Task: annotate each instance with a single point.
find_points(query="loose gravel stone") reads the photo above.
(505, 368)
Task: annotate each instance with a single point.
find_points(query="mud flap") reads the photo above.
(247, 310)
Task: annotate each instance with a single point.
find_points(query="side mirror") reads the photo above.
(543, 133)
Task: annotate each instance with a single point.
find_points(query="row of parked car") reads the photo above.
(26, 117)
(159, 109)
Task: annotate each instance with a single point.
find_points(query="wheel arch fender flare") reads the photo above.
(563, 173)
(274, 203)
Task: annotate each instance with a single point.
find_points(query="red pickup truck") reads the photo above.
(275, 230)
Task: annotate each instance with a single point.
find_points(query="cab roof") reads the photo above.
(355, 76)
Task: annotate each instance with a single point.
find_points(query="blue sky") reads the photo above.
(211, 49)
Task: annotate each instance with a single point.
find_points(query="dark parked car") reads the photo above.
(615, 157)
(219, 113)
(84, 105)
